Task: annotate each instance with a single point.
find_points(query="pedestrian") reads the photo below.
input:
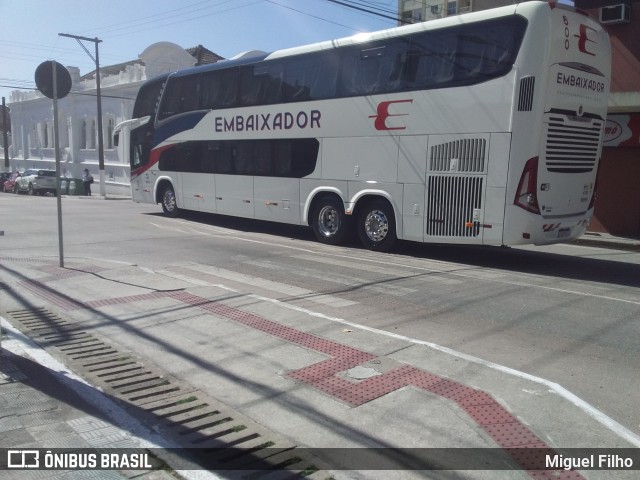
(87, 180)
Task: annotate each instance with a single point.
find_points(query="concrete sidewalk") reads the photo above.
(606, 240)
(94, 347)
(41, 408)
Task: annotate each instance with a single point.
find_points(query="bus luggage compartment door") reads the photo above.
(234, 195)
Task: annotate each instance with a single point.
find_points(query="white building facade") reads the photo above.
(32, 118)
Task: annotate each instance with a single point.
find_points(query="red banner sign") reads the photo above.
(622, 131)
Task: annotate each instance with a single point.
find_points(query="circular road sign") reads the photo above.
(44, 79)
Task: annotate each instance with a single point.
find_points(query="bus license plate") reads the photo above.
(564, 232)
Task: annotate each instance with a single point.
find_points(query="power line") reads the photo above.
(308, 14)
(72, 92)
(133, 30)
(127, 23)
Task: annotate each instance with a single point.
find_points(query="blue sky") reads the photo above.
(29, 29)
(29, 33)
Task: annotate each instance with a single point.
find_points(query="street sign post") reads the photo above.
(54, 81)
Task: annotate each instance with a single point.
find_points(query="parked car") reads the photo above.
(10, 183)
(4, 176)
(37, 181)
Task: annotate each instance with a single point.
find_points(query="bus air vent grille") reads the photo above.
(451, 202)
(572, 146)
(525, 102)
(466, 155)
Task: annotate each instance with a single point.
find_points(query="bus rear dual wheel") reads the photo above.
(376, 226)
(374, 223)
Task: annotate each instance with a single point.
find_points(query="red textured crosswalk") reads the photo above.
(499, 424)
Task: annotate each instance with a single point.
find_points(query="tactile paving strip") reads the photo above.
(503, 427)
(61, 301)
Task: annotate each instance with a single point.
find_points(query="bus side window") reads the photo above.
(243, 158)
(304, 156)
(431, 61)
(487, 53)
(464, 55)
(311, 77)
(282, 158)
(219, 89)
(262, 158)
(180, 95)
(261, 85)
(375, 69)
(358, 72)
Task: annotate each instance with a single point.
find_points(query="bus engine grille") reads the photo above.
(464, 155)
(572, 144)
(451, 201)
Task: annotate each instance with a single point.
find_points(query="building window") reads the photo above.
(92, 137)
(83, 135)
(34, 138)
(110, 123)
(46, 140)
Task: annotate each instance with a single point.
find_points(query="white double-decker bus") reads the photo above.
(484, 128)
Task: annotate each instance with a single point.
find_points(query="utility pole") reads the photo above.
(5, 136)
(96, 59)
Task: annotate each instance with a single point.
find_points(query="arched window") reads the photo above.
(110, 123)
(93, 135)
(83, 135)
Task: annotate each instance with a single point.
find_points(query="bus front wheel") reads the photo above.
(169, 203)
(329, 221)
(376, 226)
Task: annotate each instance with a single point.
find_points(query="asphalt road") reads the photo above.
(569, 314)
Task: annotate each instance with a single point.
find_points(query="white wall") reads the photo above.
(32, 119)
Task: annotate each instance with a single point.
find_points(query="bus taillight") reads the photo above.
(526, 196)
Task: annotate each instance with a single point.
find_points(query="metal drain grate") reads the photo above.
(25, 259)
(181, 413)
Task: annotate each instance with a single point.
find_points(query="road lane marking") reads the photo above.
(455, 270)
(272, 286)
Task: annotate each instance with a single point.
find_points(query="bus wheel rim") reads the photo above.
(170, 201)
(376, 225)
(328, 221)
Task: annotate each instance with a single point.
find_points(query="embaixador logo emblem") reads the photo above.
(383, 115)
(583, 39)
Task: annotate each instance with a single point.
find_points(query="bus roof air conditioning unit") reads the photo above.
(613, 14)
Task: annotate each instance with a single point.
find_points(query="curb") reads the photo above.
(617, 243)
